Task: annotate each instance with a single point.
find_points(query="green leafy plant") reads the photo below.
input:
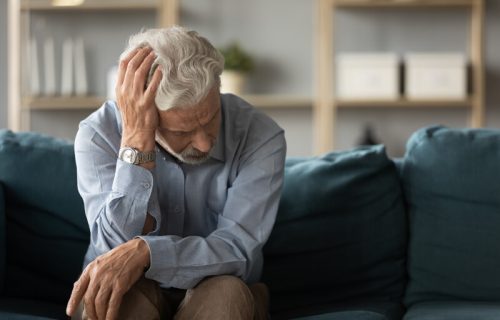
(236, 59)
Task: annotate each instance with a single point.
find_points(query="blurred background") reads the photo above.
(57, 60)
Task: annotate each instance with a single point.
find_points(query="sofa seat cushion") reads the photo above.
(346, 315)
(20, 309)
(454, 310)
(451, 182)
(340, 232)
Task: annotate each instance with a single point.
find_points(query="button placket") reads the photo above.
(177, 201)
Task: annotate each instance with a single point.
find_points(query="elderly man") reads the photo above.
(181, 186)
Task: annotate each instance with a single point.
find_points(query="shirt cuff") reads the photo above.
(133, 195)
(162, 259)
(131, 179)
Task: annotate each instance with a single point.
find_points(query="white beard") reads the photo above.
(189, 155)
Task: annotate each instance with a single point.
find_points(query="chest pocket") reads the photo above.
(217, 196)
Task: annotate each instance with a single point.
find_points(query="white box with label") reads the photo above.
(436, 76)
(363, 76)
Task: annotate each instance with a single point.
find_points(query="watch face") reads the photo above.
(129, 155)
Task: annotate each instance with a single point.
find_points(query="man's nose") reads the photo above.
(201, 141)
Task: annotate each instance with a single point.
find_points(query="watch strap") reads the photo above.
(143, 157)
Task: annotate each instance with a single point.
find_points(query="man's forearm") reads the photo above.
(116, 208)
(144, 142)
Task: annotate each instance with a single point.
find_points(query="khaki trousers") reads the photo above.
(220, 297)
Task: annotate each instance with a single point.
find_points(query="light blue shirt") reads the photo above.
(211, 219)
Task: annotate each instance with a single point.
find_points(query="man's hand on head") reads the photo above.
(105, 281)
(136, 100)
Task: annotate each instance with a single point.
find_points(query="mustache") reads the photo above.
(194, 156)
(194, 153)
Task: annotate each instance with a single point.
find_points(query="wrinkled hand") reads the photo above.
(105, 281)
(136, 101)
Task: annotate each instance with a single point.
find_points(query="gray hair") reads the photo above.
(191, 66)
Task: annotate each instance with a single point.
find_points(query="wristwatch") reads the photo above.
(134, 156)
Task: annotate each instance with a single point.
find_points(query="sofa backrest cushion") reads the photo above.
(452, 185)
(2, 237)
(340, 232)
(46, 230)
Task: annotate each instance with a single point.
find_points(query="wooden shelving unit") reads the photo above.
(324, 102)
(19, 106)
(326, 105)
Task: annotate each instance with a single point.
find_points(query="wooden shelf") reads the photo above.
(258, 101)
(401, 3)
(88, 5)
(277, 101)
(404, 103)
(62, 103)
(72, 103)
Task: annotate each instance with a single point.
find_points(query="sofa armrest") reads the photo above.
(2, 237)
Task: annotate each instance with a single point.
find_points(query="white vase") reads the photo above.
(232, 81)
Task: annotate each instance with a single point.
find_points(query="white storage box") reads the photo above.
(363, 76)
(436, 76)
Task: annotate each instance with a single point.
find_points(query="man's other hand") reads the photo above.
(105, 281)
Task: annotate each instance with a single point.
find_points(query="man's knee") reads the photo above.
(143, 301)
(220, 297)
(228, 287)
(226, 282)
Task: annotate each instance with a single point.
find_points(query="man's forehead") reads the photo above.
(186, 119)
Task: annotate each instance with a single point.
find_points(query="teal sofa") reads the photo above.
(358, 235)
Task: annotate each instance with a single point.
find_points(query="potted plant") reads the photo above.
(237, 65)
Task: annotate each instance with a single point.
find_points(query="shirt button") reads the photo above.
(177, 209)
(146, 185)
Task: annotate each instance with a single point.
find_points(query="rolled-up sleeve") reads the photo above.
(117, 195)
(243, 227)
